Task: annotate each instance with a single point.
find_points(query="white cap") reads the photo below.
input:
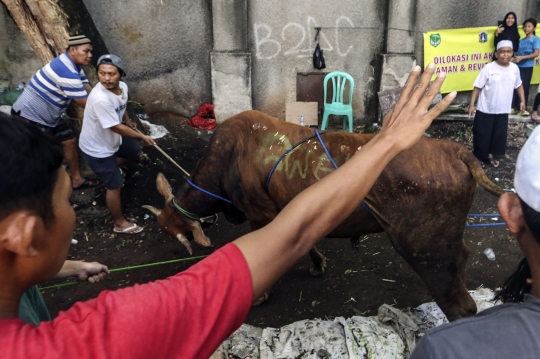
(527, 178)
(505, 43)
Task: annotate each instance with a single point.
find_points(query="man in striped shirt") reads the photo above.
(49, 94)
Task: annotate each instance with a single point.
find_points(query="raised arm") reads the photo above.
(272, 250)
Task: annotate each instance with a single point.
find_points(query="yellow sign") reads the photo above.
(462, 53)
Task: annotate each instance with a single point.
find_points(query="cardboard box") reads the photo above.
(294, 110)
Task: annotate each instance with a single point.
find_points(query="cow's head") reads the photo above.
(175, 223)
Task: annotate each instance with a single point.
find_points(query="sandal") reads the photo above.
(134, 229)
(89, 183)
(494, 162)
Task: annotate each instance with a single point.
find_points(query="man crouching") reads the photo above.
(105, 142)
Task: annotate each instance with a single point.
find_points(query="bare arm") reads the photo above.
(82, 101)
(535, 54)
(124, 130)
(521, 95)
(474, 96)
(272, 250)
(93, 271)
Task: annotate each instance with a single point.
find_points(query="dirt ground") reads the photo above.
(357, 282)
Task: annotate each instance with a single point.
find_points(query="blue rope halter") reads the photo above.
(318, 135)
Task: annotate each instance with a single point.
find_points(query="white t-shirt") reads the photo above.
(497, 84)
(103, 110)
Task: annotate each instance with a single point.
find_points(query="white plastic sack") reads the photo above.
(392, 334)
(156, 131)
(5, 109)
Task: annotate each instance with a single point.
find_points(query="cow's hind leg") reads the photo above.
(440, 261)
(319, 262)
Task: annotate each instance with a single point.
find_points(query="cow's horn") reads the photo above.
(154, 210)
(199, 236)
(185, 242)
(164, 188)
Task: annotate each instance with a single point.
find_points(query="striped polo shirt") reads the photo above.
(50, 91)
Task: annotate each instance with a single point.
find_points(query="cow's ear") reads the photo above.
(198, 234)
(164, 188)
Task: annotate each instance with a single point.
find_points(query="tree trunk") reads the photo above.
(45, 24)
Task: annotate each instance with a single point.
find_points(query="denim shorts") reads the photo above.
(107, 168)
(62, 131)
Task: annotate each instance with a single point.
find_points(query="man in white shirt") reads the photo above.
(105, 141)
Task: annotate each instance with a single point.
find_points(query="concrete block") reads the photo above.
(230, 25)
(401, 15)
(395, 70)
(231, 83)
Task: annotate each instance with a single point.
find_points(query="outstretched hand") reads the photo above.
(410, 117)
(92, 271)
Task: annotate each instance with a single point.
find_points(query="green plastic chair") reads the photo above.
(337, 107)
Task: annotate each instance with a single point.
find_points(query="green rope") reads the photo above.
(186, 213)
(123, 269)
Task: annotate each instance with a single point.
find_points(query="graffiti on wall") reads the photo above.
(298, 40)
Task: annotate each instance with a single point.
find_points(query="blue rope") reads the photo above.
(282, 157)
(318, 134)
(325, 149)
(208, 193)
(485, 225)
(484, 215)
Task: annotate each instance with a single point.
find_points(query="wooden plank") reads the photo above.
(294, 110)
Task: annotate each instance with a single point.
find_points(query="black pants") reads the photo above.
(489, 135)
(536, 102)
(526, 76)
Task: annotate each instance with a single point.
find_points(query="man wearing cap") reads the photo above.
(508, 330)
(494, 88)
(49, 94)
(105, 141)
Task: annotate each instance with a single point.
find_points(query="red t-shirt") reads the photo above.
(184, 316)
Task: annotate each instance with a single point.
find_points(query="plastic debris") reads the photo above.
(146, 216)
(490, 254)
(143, 116)
(156, 131)
(392, 334)
(205, 118)
(5, 109)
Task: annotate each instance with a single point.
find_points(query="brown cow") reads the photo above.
(421, 200)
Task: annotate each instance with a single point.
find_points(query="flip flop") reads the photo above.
(129, 229)
(89, 183)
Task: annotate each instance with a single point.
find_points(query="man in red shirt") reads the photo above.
(187, 315)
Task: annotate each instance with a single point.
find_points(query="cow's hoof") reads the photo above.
(262, 299)
(319, 270)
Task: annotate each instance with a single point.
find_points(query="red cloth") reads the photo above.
(205, 118)
(184, 316)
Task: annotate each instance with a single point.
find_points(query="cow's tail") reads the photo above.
(478, 173)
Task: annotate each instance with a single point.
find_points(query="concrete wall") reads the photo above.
(282, 44)
(181, 53)
(165, 46)
(19, 58)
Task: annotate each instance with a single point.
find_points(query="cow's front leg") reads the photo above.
(319, 262)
